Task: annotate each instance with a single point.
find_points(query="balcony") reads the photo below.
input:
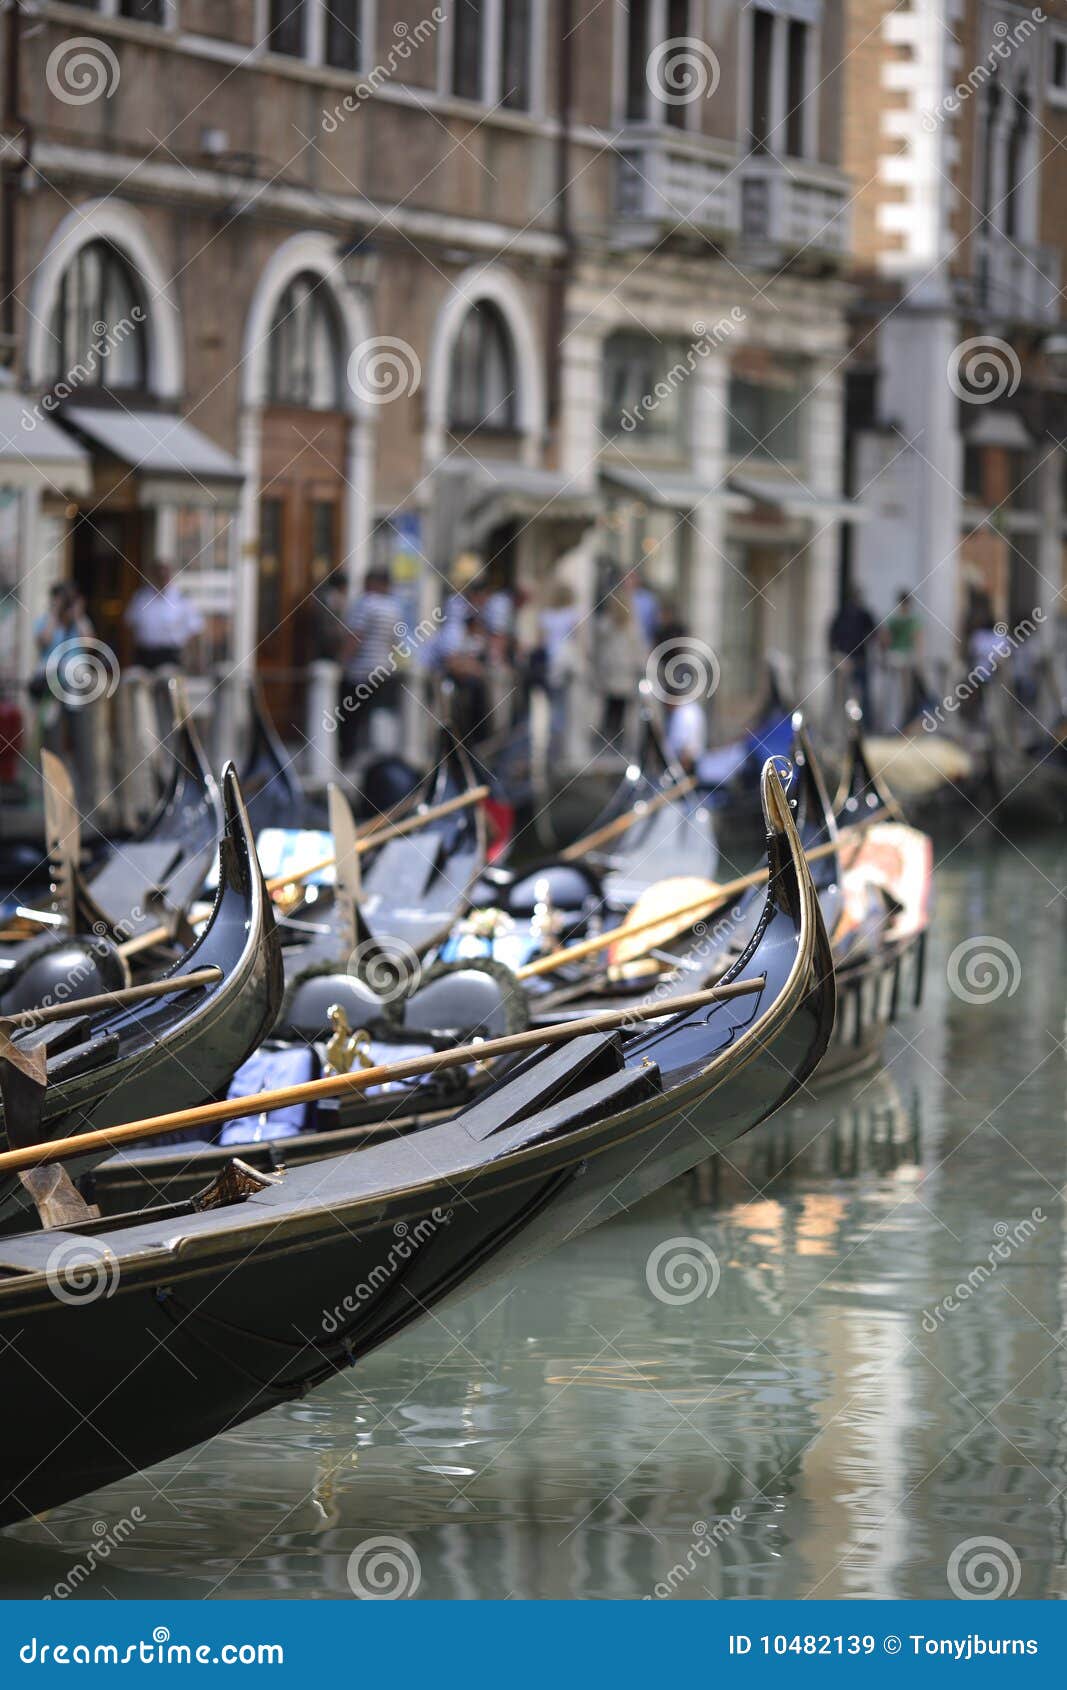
(1017, 281)
(665, 183)
(794, 208)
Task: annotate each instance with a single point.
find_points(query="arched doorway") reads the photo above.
(301, 507)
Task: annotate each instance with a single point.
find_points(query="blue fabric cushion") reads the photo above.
(264, 1071)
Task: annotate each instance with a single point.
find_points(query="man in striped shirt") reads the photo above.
(375, 622)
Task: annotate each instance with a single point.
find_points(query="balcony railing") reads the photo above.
(1017, 281)
(662, 184)
(791, 208)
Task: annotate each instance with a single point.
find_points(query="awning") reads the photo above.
(35, 452)
(509, 492)
(173, 463)
(995, 427)
(670, 490)
(793, 499)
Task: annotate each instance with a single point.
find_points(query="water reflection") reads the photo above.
(822, 1425)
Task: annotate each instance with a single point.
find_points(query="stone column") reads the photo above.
(707, 566)
(824, 427)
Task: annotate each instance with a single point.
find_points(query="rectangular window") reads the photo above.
(760, 80)
(288, 26)
(765, 419)
(1058, 71)
(677, 30)
(645, 390)
(637, 40)
(144, 11)
(515, 55)
(342, 34)
(468, 48)
(796, 88)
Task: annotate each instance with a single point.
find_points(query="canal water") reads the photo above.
(824, 1367)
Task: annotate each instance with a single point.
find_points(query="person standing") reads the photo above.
(622, 655)
(903, 652)
(162, 620)
(851, 632)
(66, 687)
(371, 688)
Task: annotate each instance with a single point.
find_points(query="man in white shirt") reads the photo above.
(162, 620)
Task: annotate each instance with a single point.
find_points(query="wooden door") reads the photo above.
(301, 540)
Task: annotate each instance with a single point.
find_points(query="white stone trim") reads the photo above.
(495, 283)
(113, 221)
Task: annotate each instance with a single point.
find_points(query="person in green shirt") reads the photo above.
(904, 643)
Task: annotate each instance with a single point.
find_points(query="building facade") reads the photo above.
(956, 114)
(291, 285)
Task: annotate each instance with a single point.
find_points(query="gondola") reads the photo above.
(875, 906)
(101, 1068)
(272, 793)
(416, 887)
(200, 1316)
(656, 825)
(149, 881)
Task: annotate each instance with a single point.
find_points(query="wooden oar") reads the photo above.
(682, 917)
(367, 840)
(611, 830)
(114, 1000)
(336, 1085)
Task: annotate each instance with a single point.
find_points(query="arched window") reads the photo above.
(482, 390)
(97, 329)
(304, 353)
